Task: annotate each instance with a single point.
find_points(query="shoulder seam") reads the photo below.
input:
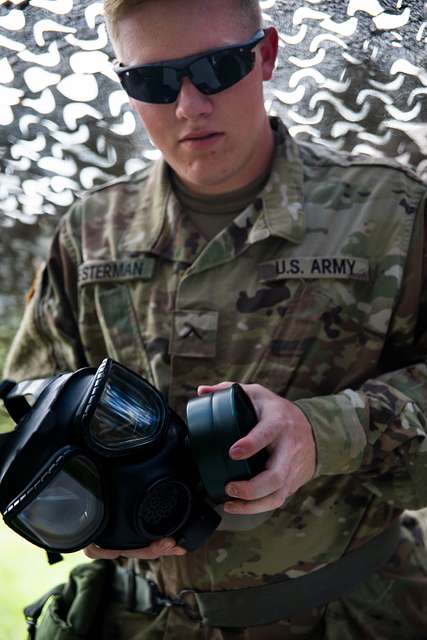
(70, 241)
(346, 159)
(137, 176)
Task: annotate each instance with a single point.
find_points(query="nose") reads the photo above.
(191, 103)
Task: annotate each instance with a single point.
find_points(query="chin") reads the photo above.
(210, 182)
(204, 178)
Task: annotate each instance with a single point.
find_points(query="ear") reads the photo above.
(269, 48)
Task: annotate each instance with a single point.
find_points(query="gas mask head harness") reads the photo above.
(98, 456)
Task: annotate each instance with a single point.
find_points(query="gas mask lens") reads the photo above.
(66, 511)
(126, 411)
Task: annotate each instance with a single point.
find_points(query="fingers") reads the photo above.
(269, 503)
(272, 484)
(261, 436)
(287, 470)
(94, 553)
(163, 547)
(205, 388)
(167, 550)
(264, 484)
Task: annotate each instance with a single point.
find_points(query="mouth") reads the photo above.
(201, 138)
(200, 135)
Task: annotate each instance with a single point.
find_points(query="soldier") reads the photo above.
(298, 272)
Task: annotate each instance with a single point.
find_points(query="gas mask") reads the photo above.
(98, 456)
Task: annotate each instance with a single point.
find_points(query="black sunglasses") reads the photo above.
(211, 72)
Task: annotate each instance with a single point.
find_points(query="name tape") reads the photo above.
(344, 268)
(128, 269)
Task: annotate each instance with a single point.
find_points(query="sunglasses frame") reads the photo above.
(181, 65)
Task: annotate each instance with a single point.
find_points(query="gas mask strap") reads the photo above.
(4, 439)
(53, 557)
(19, 397)
(5, 387)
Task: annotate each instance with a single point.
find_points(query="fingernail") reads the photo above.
(236, 452)
(230, 507)
(232, 490)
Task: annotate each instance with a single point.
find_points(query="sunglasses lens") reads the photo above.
(204, 75)
(221, 70)
(156, 85)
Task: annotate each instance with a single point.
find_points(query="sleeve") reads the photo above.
(379, 431)
(48, 340)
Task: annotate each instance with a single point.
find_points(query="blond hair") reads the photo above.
(115, 10)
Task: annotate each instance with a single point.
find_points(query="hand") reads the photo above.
(286, 433)
(163, 547)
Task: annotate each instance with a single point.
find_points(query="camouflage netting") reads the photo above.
(351, 73)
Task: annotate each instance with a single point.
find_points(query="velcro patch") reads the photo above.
(342, 267)
(195, 333)
(116, 270)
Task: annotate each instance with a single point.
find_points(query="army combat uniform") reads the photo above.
(318, 291)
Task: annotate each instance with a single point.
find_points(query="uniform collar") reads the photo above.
(282, 200)
(278, 210)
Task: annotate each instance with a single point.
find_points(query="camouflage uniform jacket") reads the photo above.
(317, 291)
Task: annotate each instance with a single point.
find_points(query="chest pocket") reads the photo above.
(320, 340)
(119, 326)
(109, 323)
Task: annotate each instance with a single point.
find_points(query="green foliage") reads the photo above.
(25, 576)
(6, 332)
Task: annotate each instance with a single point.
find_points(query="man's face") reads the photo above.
(215, 143)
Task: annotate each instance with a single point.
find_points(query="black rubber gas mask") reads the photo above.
(98, 456)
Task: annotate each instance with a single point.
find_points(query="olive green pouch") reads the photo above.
(73, 611)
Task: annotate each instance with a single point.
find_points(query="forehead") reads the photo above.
(170, 29)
